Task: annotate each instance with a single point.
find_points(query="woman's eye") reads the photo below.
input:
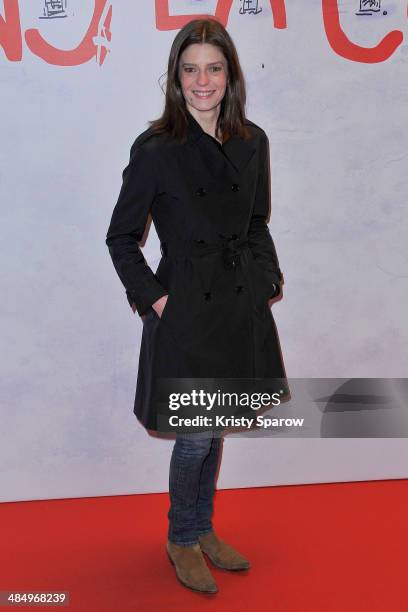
(192, 69)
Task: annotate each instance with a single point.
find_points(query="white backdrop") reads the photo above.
(70, 343)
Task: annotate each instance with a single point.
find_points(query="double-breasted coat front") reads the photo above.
(209, 204)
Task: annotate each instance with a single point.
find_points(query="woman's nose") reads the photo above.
(202, 78)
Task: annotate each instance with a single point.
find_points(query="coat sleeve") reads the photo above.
(126, 229)
(259, 237)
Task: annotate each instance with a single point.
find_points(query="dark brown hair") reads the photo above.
(231, 119)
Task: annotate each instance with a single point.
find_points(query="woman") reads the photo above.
(202, 171)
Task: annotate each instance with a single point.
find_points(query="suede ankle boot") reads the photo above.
(191, 568)
(222, 554)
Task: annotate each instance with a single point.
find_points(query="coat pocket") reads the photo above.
(165, 312)
(259, 280)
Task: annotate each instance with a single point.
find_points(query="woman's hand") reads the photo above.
(160, 305)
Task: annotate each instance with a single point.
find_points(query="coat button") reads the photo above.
(235, 187)
(207, 295)
(201, 191)
(239, 288)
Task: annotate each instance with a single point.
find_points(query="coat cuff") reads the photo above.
(274, 277)
(275, 290)
(144, 301)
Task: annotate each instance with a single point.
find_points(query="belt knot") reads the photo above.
(232, 247)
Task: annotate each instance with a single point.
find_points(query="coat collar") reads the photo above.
(238, 150)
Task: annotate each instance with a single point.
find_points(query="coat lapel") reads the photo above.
(237, 150)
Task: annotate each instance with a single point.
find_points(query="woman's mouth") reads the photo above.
(203, 95)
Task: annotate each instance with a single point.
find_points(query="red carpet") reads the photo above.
(325, 547)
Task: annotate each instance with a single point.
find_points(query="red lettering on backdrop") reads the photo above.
(165, 21)
(345, 48)
(10, 31)
(279, 13)
(97, 38)
(90, 46)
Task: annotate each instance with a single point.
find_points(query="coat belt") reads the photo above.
(230, 247)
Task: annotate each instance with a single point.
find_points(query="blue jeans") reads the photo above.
(193, 468)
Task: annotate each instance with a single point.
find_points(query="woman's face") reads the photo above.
(203, 74)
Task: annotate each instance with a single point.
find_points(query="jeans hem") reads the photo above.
(183, 543)
(201, 533)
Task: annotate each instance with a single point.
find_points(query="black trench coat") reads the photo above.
(209, 204)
